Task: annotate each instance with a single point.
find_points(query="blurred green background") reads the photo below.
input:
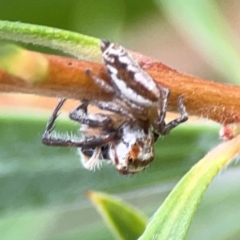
(42, 189)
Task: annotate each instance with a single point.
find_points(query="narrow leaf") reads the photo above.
(78, 45)
(172, 219)
(124, 220)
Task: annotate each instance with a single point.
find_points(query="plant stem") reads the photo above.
(66, 78)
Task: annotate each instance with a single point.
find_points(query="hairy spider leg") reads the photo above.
(91, 162)
(79, 114)
(53, 139)
(165, 93)
(100, 82)
(90, 156)
(89, 151)
(50, 125)
(163, 109)
(133, 106)
(164, 128)
(112, 107)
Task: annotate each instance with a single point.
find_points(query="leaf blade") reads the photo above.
(78, 45)
(179, 207)
(124, 220)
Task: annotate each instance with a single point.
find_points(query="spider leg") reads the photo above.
(90, 162)
(50, 127)
(164, 128)
(164, 101)
(136, 109)
(112, 107)
(88, 152)
(163, 110)
(53, 139)
(79, 114)
(100, 82)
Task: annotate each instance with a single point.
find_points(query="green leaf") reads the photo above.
(173, 218)
(78, 45)
(30, 225)
(204, 25)
(124, 220)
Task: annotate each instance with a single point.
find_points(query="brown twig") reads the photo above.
(65, 77)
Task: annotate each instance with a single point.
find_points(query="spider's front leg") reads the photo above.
(53, 139)
(164, 128)
(46, 137)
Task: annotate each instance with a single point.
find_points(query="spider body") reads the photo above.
(136, 117)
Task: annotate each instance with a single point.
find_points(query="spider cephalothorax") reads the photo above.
(136, 118)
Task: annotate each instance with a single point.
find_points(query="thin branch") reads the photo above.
(65, 77)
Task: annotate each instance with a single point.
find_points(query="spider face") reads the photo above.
(134, 151)
(126, 137)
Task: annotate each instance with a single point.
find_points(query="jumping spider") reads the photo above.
(125, 136)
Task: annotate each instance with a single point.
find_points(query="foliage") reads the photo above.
(42, 189)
